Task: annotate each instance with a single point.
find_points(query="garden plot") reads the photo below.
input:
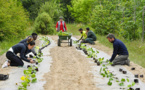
(120, 80)
(17, 73)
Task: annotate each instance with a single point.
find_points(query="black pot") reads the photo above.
(98, 63)
(136, 81)
(137, 89)
(28, 66)
(36, 63)
(136, 76)
(131, 88)
(133, 68)
(31, 56)
(141, 76)
(124, 72)
(37, 69)
(120, 70)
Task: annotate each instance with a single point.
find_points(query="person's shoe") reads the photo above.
(93, 43)
(5, 64)
(128, 62)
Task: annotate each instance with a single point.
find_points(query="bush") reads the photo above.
(52, 8)
(13, 20)
(44, 24)
(103, 22)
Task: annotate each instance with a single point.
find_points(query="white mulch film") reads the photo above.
(102, 82)
(44, 67)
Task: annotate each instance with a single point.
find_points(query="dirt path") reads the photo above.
(69, 70)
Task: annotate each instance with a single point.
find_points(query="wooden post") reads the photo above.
(143, 24)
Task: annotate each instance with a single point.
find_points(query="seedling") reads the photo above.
(131, 85)
(122, 82)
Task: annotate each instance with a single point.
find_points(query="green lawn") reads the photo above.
(136, 48)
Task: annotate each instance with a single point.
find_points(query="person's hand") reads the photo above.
(29, 58)
(32, 61)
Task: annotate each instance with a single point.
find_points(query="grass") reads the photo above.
(136, 48)
(5, 45)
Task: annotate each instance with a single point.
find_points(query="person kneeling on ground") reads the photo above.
(21, 48)
(120, 50)
(83, 35)
(34, 37)
(91, 37)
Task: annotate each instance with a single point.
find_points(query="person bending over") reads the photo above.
(30, 38)
(83, 35)
(91, 37)
(13, 58)
(118, 49)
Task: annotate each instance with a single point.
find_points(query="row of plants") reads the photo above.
(30, 73)
(104, 72)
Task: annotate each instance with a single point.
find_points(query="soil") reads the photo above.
(138, 69)
(69, 70)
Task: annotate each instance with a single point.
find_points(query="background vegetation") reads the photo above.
(19, 18)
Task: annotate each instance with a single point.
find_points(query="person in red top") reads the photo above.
(61, 26)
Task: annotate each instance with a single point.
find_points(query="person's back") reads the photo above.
(19, 47)
(122, 50)
(92, 35)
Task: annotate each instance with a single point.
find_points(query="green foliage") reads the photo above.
(13, 20)
(60, 33)
(44, 24)
(121, 17)
(81, 9)
(103, 21)
(32, 6)
(52, 8)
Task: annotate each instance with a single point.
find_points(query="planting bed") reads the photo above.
(74, 69)
(124, 80)
(16, 73)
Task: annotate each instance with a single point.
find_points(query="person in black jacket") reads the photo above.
(34, 37)
(91, 37)
(118, 49)
(21, 48)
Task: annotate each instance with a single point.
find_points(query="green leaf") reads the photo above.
(110, 79)
(133, 83)
(34, 80)
(24, 84)
(122, 80)
(33, 75)
(127, 80)
(121, 84)
(109, 83)
(129, 86)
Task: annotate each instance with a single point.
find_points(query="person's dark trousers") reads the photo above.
(90, 40)
(14, 60)
(121, 60)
